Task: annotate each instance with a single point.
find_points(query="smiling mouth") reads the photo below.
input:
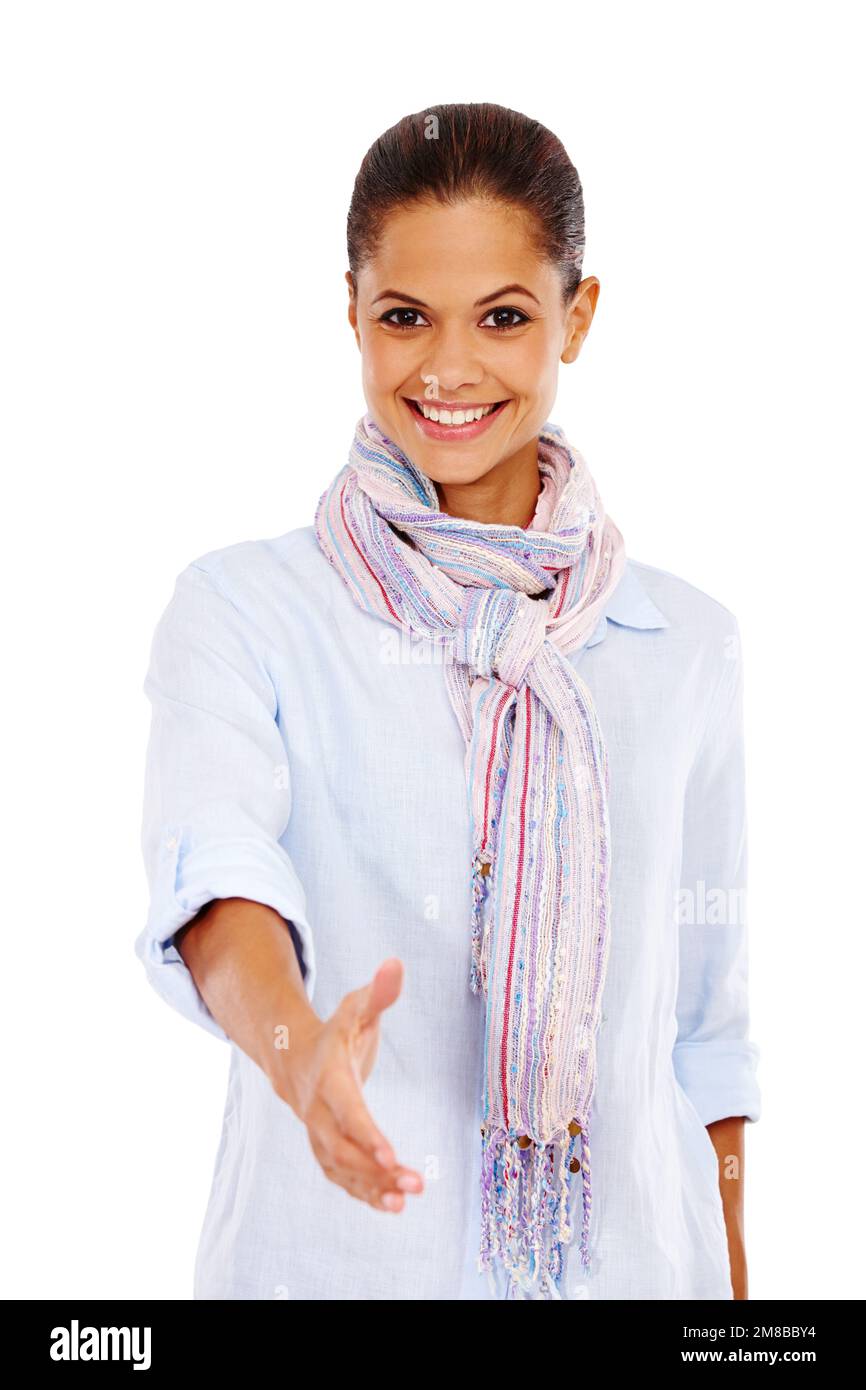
(456, 415)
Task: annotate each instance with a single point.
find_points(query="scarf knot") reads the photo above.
(500, 633)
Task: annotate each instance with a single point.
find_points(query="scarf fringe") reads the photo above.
(526, 1194)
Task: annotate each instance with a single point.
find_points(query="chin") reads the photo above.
(450, 471)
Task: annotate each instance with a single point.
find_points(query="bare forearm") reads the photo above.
(243, 961)
(728, 1138)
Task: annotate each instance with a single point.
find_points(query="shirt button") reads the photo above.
(172, 843)
(524, 1141)
(574, 1165)
(574, 1128)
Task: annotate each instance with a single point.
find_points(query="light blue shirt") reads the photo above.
(305, 755)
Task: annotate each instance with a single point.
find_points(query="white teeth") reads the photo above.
(454, 417)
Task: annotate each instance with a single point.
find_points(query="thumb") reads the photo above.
(382, 991)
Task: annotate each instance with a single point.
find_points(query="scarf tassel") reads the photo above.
(526, 1193)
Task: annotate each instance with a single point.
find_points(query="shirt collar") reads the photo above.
(630, 606)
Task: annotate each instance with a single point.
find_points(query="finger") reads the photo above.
(344, 1164)
(344, 1154)
(347, 1178)
(346, 1157)
(341, 1092)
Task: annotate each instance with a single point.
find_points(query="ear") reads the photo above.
(353, 305)
(579, 317)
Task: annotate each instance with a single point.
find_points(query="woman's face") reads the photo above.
(458, 312)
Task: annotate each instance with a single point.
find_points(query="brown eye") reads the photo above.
(412, 314)
(502, 314)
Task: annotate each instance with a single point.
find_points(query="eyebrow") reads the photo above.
(479, 303)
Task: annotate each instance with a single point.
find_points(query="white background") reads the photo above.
(178, 374)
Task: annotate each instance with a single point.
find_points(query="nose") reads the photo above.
(454, 362)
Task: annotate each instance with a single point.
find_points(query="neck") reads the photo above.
(506, 496)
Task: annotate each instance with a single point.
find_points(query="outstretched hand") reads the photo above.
(331, 1062)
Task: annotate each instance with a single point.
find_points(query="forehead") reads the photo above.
(458, 250)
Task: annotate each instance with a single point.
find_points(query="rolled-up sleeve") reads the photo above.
(217, 798)
(715, 1059)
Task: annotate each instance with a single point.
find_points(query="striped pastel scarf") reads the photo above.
(507, 604)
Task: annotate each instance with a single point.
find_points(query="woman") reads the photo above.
(449, 757)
